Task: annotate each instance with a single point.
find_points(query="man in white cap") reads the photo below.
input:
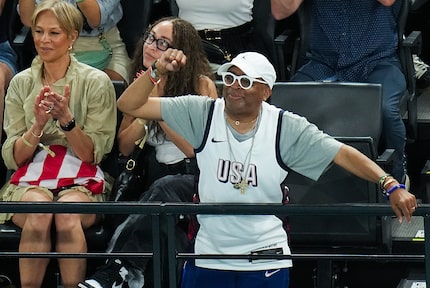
(244, 149)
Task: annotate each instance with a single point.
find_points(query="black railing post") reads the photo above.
(156, 247)
(427, 247)
(171, 249)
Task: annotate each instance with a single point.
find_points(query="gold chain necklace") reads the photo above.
(237, 122)
(242, 185)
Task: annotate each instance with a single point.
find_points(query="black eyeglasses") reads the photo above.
(161, 43)
(244, 81)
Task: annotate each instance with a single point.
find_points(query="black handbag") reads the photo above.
(130, 183)
(215, 53)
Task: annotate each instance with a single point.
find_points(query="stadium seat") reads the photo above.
(352, 113)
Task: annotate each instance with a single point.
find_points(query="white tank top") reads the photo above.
(220, 161)
(219, 14)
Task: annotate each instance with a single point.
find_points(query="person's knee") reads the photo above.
(38, 222)
(65, 223)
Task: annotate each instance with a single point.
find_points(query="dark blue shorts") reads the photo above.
(196, 277)
(8, 56)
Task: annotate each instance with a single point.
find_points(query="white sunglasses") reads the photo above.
(244, 81)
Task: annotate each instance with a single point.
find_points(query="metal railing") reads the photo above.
(171, 210)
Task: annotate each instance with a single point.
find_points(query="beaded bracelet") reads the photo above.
(392, 189)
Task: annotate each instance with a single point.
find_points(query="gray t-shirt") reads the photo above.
(303, 147)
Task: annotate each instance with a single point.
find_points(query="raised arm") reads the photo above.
(91, 11)
(135, 100)
(26, 9)
(284, 8)
(402, 202)
(2, 6)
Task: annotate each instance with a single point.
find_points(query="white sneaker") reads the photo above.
(420, 67)
(112, 275)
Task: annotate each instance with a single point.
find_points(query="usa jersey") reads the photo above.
(224, 162)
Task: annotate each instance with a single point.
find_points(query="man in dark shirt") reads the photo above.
(8, 60)
(356, 41)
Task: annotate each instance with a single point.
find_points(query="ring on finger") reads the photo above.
(51, 107)
(61, 99)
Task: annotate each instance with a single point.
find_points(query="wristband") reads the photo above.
(79, 1)
(392, 189)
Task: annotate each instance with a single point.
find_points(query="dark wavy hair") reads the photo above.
(186, 81)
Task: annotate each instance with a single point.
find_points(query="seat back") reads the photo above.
(351, 112)
(338, 108)
(135, 20)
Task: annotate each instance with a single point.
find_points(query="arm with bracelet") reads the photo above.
(402, 202)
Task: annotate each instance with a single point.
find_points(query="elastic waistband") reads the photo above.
(218, 34)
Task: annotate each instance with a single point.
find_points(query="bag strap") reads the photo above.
(130, 165)
(103, 41)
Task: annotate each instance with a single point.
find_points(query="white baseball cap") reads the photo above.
(254, 65)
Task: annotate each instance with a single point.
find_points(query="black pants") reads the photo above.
(135, 233)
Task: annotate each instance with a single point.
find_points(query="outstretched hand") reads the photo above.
(403, 204)
(171, 60)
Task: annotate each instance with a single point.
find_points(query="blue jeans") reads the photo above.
(8, 56)
(387, 73)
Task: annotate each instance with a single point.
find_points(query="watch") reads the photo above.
(154, 73)
(69, 126)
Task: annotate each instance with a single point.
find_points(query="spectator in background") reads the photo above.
(60, 114)
(357, 41)
(228, 24)
(174, 166)
(98, 15)
(8, 60)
